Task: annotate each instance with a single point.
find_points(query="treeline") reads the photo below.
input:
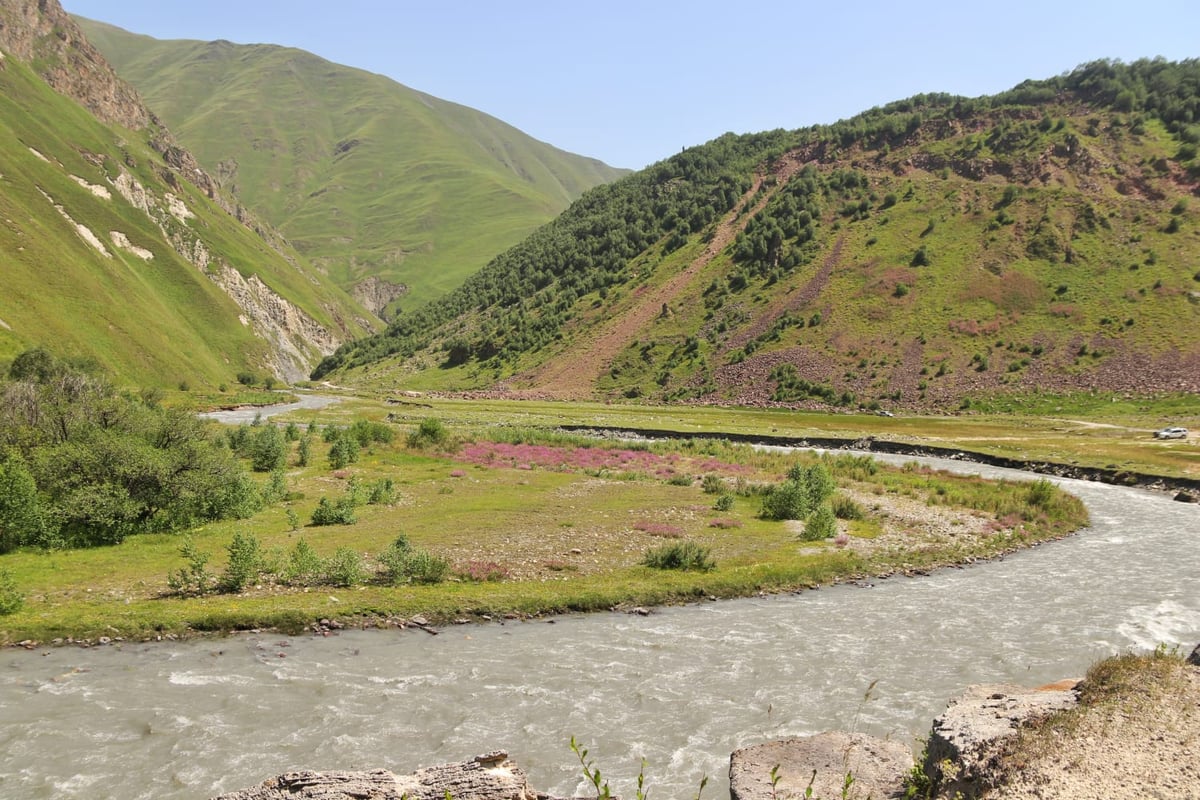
(520, 301)
(82, 464)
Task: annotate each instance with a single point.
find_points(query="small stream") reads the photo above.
(682, 687)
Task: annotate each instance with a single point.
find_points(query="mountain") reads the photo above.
(117, 248)
(922, 254)
(391, 191)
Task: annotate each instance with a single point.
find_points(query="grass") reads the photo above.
(365, 176)
(161, 322)
(568, 536)
(1094, 433)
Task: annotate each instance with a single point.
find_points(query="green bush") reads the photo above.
(195, 577)
(404, 564)
(1041, 493)
(344, 451)
(276, 488)
(344, 568)
(304, 451)
(383, 492)
(685, 555)
(304, 565)
(20, 511)
(245, 563)
(268, 449)
(11, 600)
(712, 484)
(430, 433)
(845, 508)
(338, 512)
(787, 500)
(366, 432)
(821, 524)
(724, 502)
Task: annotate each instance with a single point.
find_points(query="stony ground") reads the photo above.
(1143, 745)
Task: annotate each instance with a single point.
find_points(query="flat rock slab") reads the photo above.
(487, 777)
(878, 767)
(968, 739)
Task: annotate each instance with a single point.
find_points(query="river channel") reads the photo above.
(681, 688)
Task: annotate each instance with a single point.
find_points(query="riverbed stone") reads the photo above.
(966, 743)
(487, 777)
(878, 767)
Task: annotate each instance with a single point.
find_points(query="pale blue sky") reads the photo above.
(632, 82)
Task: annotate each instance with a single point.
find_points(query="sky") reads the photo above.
(632, 82)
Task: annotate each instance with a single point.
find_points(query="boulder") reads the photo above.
(968, 739)
(1194, 658)
(878, 767)
(486, 777)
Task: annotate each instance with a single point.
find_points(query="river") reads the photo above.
(681, 688)
(247, 414)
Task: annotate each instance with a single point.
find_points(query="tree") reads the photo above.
(268, 449)
(20, 512)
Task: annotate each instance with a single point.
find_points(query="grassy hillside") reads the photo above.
(937, 249)
(89, 274)
(365, 176)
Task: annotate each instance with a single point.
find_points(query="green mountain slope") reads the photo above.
(935, 249)
(367, 177)
(110, 254)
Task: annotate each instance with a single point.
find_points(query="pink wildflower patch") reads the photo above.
(341, 474)
(841, 540)
(725, 524)
(458, 473)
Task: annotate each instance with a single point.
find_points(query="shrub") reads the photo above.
(1041, 493)
(366, 432)
(421, 566)
(845, 508)
(338, 512)
(276, 488)
(292, 432)
(21, 521)
(383, 492)
(680, 555)
(343, 452)
(787, 500)
(724, 502)
(194, 578)
(245, 562)
(680, 480)
(11, 599)
(430, 433)
(304, 451)
(303, 566)
(712, 484)
(821, 524)
(344, 568)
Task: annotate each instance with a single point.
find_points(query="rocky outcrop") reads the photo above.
(41, 31)
(966, 745)
(486, 777)
(374, 293)
(877, 768)
(288, 329)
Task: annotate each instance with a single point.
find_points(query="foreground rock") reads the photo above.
(486, 777)
(968, 740)
(878, 767)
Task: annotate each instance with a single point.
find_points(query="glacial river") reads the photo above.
(681, 688)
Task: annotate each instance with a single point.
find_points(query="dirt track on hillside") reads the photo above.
(573, 374)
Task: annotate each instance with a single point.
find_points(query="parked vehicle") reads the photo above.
(1171, 433)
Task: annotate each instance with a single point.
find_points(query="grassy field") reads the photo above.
(563, 522)
(1092, 430)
